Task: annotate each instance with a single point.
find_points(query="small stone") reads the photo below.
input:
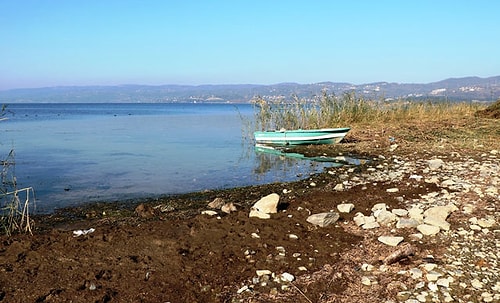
(263, 272)
(435, 164)
(255, 213)
(416, 273)
(406, 223)
(209, 212)
(400, 212)
(228, 208)
(385, 217)
(432, 276)
(379, 206)
(428, 230)
(255, 236)
(293, 237)
(444, 282)
(366, 281)
(323, 219)
(432, 287)
(312, 184)
(391, 241)
(434, 221)
(392, 190)
(485, 223)
(476, 284)
(286, 277)
(345, 207)
(242, 289)
(268, 204)
(339, 187)
(370, 225)
(216, 203)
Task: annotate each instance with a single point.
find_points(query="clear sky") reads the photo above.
(112, 42)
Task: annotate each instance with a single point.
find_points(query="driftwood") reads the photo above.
(401, 253)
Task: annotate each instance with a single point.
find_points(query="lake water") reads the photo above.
(78, 153)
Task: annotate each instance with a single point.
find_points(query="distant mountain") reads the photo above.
(467, 88)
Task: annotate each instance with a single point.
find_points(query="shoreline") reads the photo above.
(183, 255)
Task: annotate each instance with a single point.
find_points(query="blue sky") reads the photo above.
(108, 42)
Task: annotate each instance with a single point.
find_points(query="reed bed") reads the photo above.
(418, 123)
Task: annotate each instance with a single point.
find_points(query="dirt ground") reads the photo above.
(165, 250)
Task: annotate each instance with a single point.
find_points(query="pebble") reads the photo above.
(345, 207)
(390, 240)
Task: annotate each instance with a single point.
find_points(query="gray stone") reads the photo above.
(216, 203)
(435, 164)
(407, 223)
(323, 219)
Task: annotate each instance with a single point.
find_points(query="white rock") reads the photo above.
(293, 236)
(392, 190)
(486, 222)
(444, 282)
(476, 284)
(254, 213)
(209, 212)
(390, 240)
(228, 208)
(442, 224)
(263, 272)
(244, 288)
(370, 225)
(433, 276)
(216, 203)
(385, 217)
(323, 219)
(268, 204)
(286, 277)
(400, 212)
(359, 219)
(435, 164)
(440, 212)
(407, 223)
(432, 287)
(345, 207)
(339, 187)
(379, 206)
(416, 273)
(428, 230)
(366, 281)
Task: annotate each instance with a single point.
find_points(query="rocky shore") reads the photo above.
(457, 222)
(403, 227)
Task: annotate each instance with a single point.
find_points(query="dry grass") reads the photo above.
(376, 125)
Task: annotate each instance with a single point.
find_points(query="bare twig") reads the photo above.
(403, 252)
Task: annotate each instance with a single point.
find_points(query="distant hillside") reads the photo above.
(468, 88)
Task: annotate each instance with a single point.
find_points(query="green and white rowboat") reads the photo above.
(301, 136)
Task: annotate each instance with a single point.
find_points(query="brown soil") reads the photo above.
(141, 254)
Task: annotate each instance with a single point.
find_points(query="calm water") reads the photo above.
(77, 153)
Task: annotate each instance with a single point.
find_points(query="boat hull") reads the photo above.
(301, 137)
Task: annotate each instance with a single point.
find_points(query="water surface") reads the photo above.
(79, 153)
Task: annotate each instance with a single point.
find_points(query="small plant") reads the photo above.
(14, 211)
